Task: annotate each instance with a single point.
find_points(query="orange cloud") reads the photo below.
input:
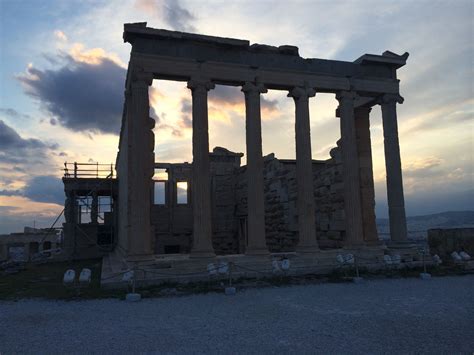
(93, 56)
(22, 205)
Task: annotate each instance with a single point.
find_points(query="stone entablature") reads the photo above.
(179, 56)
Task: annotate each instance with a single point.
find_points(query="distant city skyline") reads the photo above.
(63, 66)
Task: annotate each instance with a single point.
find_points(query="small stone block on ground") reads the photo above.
(133, 297)
(230, 291)
(357, 280)
(425, 276)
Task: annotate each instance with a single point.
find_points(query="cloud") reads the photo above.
(43, 188)
(227, 100)
(10, 192)
(169, 11)
(422, 167)
(183, 122)
(16, 150)
(20, 157)
(186, 121)
(11, 141)
(17, 212)
(60, 35)
(85, 94)
(13, 114)
(92, 56)
(49, 189)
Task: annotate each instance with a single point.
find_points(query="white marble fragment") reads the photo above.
(396, 259)
(85, 276)
(69, 277)
(349, 259)
(340, 259)
(456, 257)
(211, 269)
(437, 260)
(285, 264)
(275, 266)
(465, 256)
(128, 276)
(223, 268)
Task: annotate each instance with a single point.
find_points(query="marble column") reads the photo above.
(201, 184)
(350, 167)
(141, 162)
(304, 171)
(393, 166)
(366, 173)
(256, 199)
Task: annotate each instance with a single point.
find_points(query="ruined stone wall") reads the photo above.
(281, 217)
(224, 165)
(173, 222)
(329, 197)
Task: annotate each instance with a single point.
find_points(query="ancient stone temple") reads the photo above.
(183, 216)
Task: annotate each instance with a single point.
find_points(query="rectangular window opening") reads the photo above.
(182, 192)
(159, 193)
(84, 204)
(104, 208)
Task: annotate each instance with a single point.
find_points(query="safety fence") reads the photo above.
(88, 170)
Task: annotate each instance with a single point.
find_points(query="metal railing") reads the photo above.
(88, 170)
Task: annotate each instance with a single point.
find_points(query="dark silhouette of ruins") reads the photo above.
(183, 215)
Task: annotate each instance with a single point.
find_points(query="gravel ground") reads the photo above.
(396, 316)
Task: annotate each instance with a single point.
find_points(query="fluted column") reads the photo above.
(366, 173)
(256, 199)
(140, 161)
(393, 166)
(304, 171)
(350, 165)
(201, 189)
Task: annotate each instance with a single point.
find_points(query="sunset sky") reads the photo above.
(63, 66)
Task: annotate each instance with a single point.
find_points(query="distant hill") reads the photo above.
(418, 225)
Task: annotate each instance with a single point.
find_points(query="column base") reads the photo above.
(307, 249)
(357, 245)
(257, 251)
(140, 258)
(374, 243)
(202, 254)
(400, 244)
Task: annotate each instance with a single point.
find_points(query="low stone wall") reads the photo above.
(22, 246)
(444, 241)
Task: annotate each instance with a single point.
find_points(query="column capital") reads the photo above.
(391, 98)
(344, 96)
(301, 92)
(365, 110)
(199, 83)
(141, 78)
(250, 88)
